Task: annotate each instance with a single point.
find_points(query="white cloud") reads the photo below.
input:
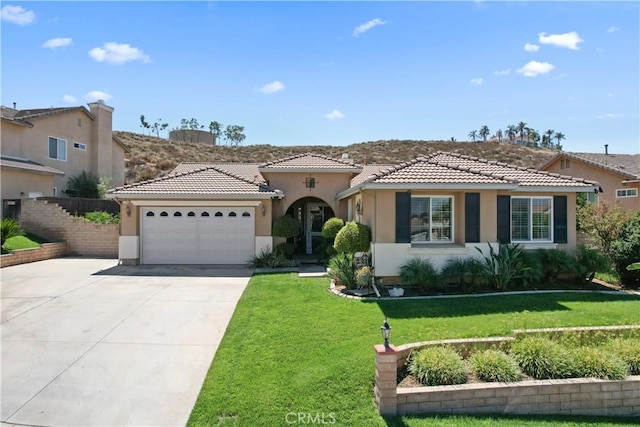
(363, 28)
(335, 114)
(535, 68)
(567, 40)
(17, 15)
(477, 81)
(57, 42)
(613, 29)
(608, 116)
(273, 87)
(69, 99)
(95, 95)
(502, 72)
(530, 47)
(118, 53)
(609, 94)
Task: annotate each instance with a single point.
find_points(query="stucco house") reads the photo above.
(42, 148)
(437, 206)
(617, 174)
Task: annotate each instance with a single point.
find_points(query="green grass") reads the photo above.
(293, 347)
(23, 242)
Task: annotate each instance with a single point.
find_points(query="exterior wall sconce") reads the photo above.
(359, 207)
(263, 208)
(386, 332)
(127, 209)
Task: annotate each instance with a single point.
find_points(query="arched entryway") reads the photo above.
(312, 213)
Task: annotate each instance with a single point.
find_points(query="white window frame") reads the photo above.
(58, 148)
(626, 192)
(453, 215)
(79, 146)
(531, 239)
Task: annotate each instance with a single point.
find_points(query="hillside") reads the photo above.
(152, 157)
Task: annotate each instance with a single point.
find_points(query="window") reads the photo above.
(191, 214)
(57, 148)
(204, 214)
(531, 219)
(431, 219)
(233, 214)
(177, 214)
(245, 214)
(150, 214)
(55, 191)
(310, 182)
(564, 164)
(627, 192)
(79, 146)
(163, 213)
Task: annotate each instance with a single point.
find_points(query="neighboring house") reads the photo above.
(42, 148)
(618, 174)
(438, 206)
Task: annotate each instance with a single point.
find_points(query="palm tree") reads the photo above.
(521, 127)
(559, 136)
(499, 135)
(549, 133)
(533, 137)
(484, 133)
(511, 132)
(473, 135)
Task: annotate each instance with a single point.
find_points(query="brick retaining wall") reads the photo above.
(83, 238)
(585, 396)
(23, 256)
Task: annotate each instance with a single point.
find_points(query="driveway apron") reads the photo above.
(88, 343)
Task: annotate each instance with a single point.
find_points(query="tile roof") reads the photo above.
(454, 169)
(310, 161)
(248, 171)
(367, 172)
(209, 181)
(624, 164)
(27, 165)
(26, 115)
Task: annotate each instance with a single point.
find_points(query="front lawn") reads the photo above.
(293, 349)
(23, 242)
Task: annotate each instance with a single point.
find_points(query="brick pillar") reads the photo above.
(386, 379)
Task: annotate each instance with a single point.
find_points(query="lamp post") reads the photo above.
(386, 331)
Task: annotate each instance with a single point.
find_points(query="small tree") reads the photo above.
(625, 250)
(157, 126)
(353, 237)
(216, 130)
(83, 185)
(331, 228)
(602, 222)
(286, 226)
(9, 228)
(144, 124)
(234, 134)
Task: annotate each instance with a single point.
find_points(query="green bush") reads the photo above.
(554, 263)
(542, 358)
(286, 226)
(84, 185)
(9, 228)
(342, 269)
(461, 271)
(625, 250)
(589, 261)
(628, 349)
(495, 366)
(505, 266)
(270, 259)
(286, 249)
(420, 272)
(102, 217)
(353, 237)
(363, 276)
(331, 227)
(594, 362)
(533, 274)
(438, 366)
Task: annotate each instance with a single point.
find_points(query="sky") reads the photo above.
(336, 73)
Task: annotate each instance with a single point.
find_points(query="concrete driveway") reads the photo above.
(89, 343)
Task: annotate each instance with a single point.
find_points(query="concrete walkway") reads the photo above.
(89, 343)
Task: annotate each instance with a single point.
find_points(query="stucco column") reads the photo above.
(386, 379)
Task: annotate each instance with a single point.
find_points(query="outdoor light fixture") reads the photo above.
(386, 331)
(263, 208)
(128, 208)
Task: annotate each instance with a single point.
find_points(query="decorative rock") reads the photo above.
(396, 292)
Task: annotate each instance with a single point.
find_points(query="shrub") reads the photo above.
(83, 185)
(589, 260)
(363, 276)
(421, 273)
(628, 349)
(438, 366)
(9, 228)
(331, 227)
(102, 217)
(287, 249)
(503, 267)
(342, 269)
(353, 237)
(533, 273)
(495, 366)
(285, 226)
(269, 259)
(542, 358)
(555, 262)
(594, 362)
(625, 250)
(461, 271)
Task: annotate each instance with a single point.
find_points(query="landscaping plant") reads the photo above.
(9, 227)
(495, 366)
(503, 267)
(594, 362)
(628, 349)
(602, 222)
(101, 217)
(555, 263)
(330, 230)
(625, 250)
(420, 272)
(589, 261)
(353, 237)
(270, 259)
(462, 271)
(285, 226)
(84, 185)
(542, 358)
(438, 366)
(342, 269)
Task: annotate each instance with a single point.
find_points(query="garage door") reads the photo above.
(197, 235)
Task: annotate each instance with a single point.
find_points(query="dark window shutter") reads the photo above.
(403, 217)
(560, 219)
(504, 219)
(472, 217)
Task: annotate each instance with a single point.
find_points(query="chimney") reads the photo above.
(101, 144)
(606, 148)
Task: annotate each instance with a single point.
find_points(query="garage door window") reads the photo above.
(205, 214)
(177, 214)
(246, 214)
(150, 214)
(163, 213)
(191, 214)
(232, 214)
(218, 213)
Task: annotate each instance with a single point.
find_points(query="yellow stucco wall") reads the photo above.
(17, 184)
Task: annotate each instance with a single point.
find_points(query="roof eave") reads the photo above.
(18, 122)
(423, 186)
(170, 196)
(311, 170)
(30, 170)
(587, 188)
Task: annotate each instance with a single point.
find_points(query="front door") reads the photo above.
(317, 214)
